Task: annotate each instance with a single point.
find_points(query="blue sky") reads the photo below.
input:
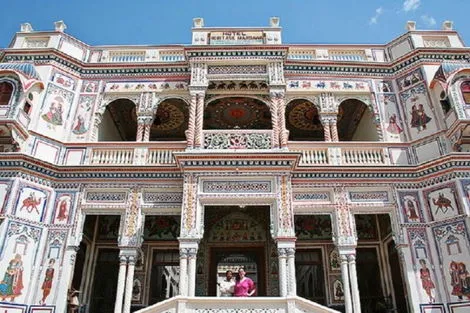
(116, 22)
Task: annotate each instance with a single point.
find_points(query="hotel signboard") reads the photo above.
(236, 38)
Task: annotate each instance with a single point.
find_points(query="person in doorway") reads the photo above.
(227, 285)
(244, 286)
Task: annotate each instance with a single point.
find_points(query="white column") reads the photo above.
(129, 285)
(192, 272)
(346, 289)
(120, 284)
(292, 290)
(183, 272)
(282, 272)
(354, 286)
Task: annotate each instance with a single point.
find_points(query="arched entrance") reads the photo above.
(303, 121)
(119, 122)
(356, 122)
(171, 121)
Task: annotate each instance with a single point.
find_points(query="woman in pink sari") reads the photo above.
(244, 286)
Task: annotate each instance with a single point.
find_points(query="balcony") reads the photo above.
(313, 154)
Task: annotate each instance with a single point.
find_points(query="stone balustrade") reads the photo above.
(181, 304)
(161, 153)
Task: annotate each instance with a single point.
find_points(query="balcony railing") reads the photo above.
(181, 304)
(161, 153)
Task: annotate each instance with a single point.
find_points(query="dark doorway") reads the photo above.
(164, 278)
(103, 294)
(369, 280)
(310, 276)
(251, 258)
(397, 278)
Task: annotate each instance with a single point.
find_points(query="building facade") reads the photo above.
(337, 175)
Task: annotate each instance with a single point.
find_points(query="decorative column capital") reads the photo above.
(290, 252)
(351, 258)
(282, 252)
(122, 260)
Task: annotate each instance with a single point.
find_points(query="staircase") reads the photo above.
(181, 304)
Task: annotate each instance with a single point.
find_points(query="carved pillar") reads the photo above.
(143, 127)
(346, 288)
(326, 128)
(282, 255)
(192, 272)
(129, 285)
(183, 272)
(120, 284)
(354, 286)
(292, 286)
(334, 129)
(275, 119)
(192, 121)
(198, 133)
(284, 133)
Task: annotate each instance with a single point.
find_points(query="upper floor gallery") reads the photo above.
(236, 89)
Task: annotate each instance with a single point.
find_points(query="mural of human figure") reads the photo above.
(12, 282)
(393, 126)
(426, 281)
(47, 283)
(455, 280)
(62, 214)
(56, 108)
(412, 213)
(79, 127)
(464, 279)
(419, 119)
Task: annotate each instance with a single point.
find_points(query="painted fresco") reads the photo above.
(17, 260)
(322, 85)
(366, 226)
(5, 189)
(466, 188)
(237, 227)
(145, 86)
(418, 114)
(442, 202)
(81, 122)
(410, 79)
(423, 264)
(393, 121)
(337, 291)
(50, 275)
(313, 227)
(89, 86)
(108, 227)
(454, 252)
(411, 208)
(63, 206)
(31, 203)
(63, 81)
(55, 111)
(385, 86)
(162, 227)
(334, 260)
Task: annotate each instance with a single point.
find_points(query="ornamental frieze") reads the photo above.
(237, 187)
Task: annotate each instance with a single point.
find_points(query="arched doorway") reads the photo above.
(171, 121)
(6, 91)
(303, 121)
(119, 122)
(237, 113)
(356, 122)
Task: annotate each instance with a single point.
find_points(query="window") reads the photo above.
(445, 103)
(465, 88)
(6, 89)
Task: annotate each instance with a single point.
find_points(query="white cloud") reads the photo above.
(411, 5)
(375, 18)
(428, 20)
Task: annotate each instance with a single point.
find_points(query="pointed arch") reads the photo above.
(303, 120)
(356, 121)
